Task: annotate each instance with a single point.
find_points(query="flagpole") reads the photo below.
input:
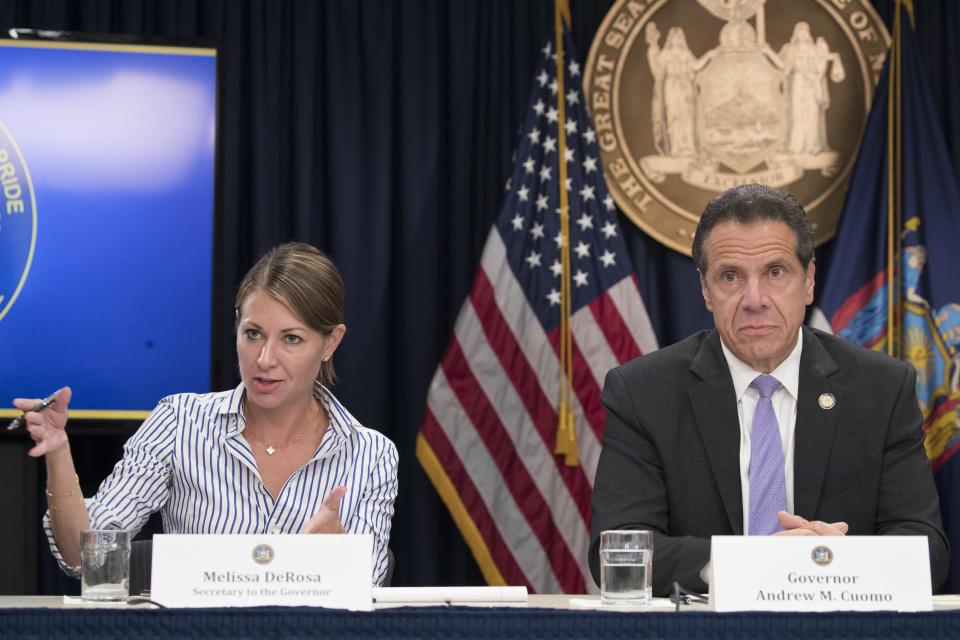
(898, 257)
(898, 210)
(566, 434)
(892, 229)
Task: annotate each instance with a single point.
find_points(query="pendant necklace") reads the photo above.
(270, 449)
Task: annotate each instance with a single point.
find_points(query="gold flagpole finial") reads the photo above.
(563, 8)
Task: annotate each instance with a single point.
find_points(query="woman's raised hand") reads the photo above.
(47, 427)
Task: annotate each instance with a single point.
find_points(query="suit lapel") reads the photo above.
(816, 423)
(715, 407)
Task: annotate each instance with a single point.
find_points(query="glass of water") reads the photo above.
(105, 564)
(626, 563)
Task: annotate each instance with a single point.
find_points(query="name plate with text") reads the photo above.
(829, 573)
(320, 570)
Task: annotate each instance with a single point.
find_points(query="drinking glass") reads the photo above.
(105, 564)
(626, 563)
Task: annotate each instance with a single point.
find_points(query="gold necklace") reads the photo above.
(270, 449)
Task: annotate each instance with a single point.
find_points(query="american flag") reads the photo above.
(490, 427)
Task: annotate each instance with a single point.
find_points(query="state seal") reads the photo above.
(18, 221)
(263, 554)
(821, 555)
(691, 97)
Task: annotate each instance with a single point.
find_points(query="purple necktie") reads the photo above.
(768, 490)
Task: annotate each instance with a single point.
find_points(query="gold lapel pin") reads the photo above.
(827, 401)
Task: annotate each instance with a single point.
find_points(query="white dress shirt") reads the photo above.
(784, 401)
(189, 461)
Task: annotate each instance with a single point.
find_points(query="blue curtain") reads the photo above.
(382, 133)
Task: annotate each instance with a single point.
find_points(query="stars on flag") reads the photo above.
(594, 240)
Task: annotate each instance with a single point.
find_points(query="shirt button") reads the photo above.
(274, 529)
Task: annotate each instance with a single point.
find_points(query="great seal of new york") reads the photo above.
(18, 221)
(692, 97)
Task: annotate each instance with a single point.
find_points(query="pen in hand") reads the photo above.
(18, 422)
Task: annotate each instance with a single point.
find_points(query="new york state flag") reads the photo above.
(894, 283)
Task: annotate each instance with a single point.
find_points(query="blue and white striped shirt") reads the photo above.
(188, 461)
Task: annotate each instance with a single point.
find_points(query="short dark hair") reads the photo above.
(753, 203)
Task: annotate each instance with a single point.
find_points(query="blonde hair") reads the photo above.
(306, 282)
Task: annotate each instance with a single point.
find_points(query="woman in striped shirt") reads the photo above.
(277, 454)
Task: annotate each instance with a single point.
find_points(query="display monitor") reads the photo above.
(107, 166)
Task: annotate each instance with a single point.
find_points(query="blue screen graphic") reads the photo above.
(106, 222)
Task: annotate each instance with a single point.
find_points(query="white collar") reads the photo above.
(342, 423)
(787, 372)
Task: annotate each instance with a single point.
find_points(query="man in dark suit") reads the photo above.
(833, 429)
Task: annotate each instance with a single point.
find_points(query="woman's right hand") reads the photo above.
(47, 427)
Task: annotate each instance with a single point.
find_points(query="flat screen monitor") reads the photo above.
(107, 155)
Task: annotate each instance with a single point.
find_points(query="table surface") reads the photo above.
(545, 601)
(551, 601)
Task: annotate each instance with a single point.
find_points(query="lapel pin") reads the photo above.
(827, 401)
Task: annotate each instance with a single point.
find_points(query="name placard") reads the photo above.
(835, 573)
(321, 570)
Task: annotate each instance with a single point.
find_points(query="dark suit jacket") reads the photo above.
(671, 452)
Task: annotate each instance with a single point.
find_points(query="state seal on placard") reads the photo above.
(263, 554)
(691, 97)
(821, 555)
(18, 221)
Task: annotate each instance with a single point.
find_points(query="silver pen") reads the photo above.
(16, 423)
